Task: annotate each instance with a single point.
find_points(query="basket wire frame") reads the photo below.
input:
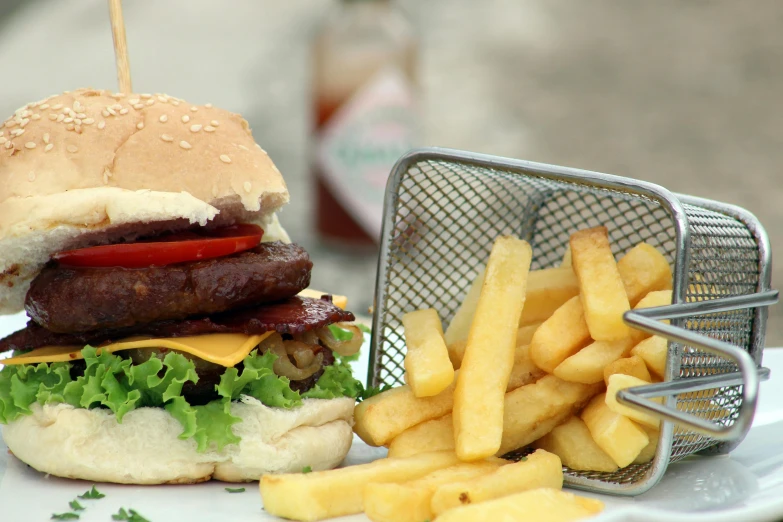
(445, 208)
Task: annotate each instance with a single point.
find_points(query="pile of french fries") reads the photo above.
(532, 359)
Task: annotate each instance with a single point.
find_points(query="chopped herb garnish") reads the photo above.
(366, 329)
(340, 334)
(65, 516)
(129, 516)
(307, 469)
(75, 505)
(235, 490)
(92, 494)
(523, 459)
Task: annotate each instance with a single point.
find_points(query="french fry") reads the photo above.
(541, 505)
(616, 434)
(587, 365)
(339, 492)
(547, 290)
(379, 419)
(633, 365)
(619, 382)
(524, 370)
(538, 470)
(653, 350)
(530, 412)
(560, 336)
(459, 327)
(644, 269)
(566, 257)
(489, 356)
(601, 289)
(390, 502)
(648, 453)
(457, 349)
(651, 300)
(572, 442)
(427, 366)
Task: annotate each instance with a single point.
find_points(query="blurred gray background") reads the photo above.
(684, 94)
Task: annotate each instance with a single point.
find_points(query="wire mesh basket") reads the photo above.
(444, 209)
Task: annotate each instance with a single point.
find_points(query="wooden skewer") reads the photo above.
(120, 45)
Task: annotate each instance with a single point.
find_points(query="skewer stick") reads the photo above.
(120, 45)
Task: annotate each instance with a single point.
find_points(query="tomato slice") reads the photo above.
(166, 250)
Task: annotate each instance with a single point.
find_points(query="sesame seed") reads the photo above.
(225, 159)
(185, 118)
(11, 123)
(163, 118)
(61, 117)
(134, 101)
(77, 106)
(46, 137)
(140, 125)
(44, 106)
(195, 128)
(9, 144)
(57, 107)
(77, 121)
(150, 102)
(209, 128)
(78, 129)
(208, 105)
(166, 137)
(111, 111)
(175, 103)
(81, 115)
(124, 111)
(185, 145)
(247, 186)
(243, 147)
(29, 145)
(67, 110)
(214, 123)
(89, 121)
(145, 96)
(25, 114)
(24, 122)
(138, 106)
(48, 147)
(52, 116)
(2, 140)
(194, 109)
(68, 120)
(118, 95)
(101, 124)
(163, 99)
(105, 113)
(35, 117)
(72, 148)
(69, 127)
(116, 106)
(17, 132)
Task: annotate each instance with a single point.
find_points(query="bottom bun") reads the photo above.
(145, 449)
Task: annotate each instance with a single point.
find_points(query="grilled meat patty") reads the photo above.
(75, 299)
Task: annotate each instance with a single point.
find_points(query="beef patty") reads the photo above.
(75, 299)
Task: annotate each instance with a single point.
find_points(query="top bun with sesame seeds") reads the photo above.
(91, 167)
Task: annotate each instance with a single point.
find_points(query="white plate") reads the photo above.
(745, 486)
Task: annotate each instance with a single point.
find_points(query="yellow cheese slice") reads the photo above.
(340, 301)
(223, 349)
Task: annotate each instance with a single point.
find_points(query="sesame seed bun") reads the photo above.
(91, 167)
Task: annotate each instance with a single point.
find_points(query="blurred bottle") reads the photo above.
(363, 101)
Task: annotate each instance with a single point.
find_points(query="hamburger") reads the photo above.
(172, 338)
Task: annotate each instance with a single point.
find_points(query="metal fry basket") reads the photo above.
(444, 209)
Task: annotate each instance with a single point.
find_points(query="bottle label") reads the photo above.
(360, 143)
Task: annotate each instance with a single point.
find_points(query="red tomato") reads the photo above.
(167, 250)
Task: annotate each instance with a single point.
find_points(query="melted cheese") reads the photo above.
(340, 301)
(223, 349)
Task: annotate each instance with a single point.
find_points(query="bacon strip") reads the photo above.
(292, 316)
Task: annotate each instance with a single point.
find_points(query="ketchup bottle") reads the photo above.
(364, 61)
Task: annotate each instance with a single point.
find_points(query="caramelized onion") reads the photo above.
(285, 368)
(343, 348)
(301, 352)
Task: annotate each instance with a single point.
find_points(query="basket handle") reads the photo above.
(647, 319)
